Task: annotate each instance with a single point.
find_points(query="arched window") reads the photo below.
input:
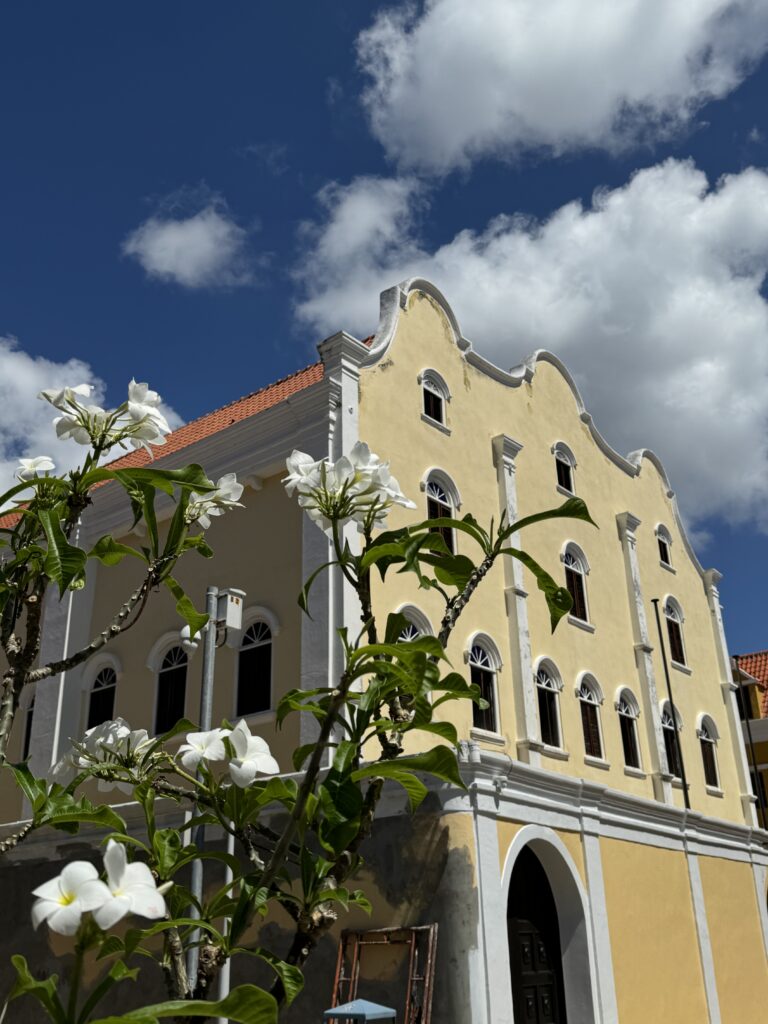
(254, 670)
(483, 666)
(576, 569)
(565, 464)
(664, 541)
(629, 712)
(548, 686)
(171, 690)
(673, 613)
(708, 737)
(435, 395)
(101, 702)
(417, 625)
(440, 506)
(671, 729)
(28, 717)
(409, 632)
(590, 699)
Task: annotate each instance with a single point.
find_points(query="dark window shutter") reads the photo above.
(254, 679)
(575, 583)
(629, 741)
(591, 728)
(675, 641)
(710, 765)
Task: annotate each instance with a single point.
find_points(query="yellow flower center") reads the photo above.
(66, 898)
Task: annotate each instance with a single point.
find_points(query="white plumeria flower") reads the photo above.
(203, 746)
(357, 486)
(226, 495)
(70, 427)
(63, 901)
(252, 756)
(29, 468)
(130, 889)
(64, 398)
(102, 744)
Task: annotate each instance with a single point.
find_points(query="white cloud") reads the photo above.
(25, 420)
(204, 250)
(456, 79)
(652, 296)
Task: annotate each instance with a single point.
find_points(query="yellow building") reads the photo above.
(570, 880)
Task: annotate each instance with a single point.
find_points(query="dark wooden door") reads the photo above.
(534, 946)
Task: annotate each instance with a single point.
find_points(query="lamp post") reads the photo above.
(224, 609)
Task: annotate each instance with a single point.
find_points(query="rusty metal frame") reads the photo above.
(421, 966)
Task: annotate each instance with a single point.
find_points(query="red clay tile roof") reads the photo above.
(756, 664)
(213, 422)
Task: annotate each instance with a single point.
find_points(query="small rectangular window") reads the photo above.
(629, 741)
(550, 730)
(484, 718)
(591, 727)
(254, 678)
(433, 405)
(673, 753)
(664, 551)
(710, 764)
(564, 475)
(171, 694)
(676, 651)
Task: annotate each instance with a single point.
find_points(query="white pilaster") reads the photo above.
(649, 699)
(702, 933)
(505, 452)
(593, 865)
(711, 578)
(493, 942)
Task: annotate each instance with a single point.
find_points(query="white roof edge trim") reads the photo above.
(392, 300)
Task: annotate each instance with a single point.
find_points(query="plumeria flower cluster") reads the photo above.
(29, 468)
(138, 422)
(358, 486)
(112, 743)
(129, 889)
(225, 495)
(248, 755)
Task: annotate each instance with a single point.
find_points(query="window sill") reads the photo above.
(668, 567)
(634, 773)
(677, 783)
(259, 717)
(597, 762)
(681, 668)
(555, 752)
(436, 424)
(564, 490)
(485, 736)
(581, 624)
(715, 791)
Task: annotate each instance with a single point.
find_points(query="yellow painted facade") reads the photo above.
(662, 911)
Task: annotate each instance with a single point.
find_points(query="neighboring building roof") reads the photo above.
(756, 665)
(213, 422)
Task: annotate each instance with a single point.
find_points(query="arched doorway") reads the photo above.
(538, 992)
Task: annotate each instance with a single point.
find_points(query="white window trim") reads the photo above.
(681, 666)
(633, 703)
(575, 551)
(439, 476)
(546, 663)
(417, 618)
(664, 705)
(94, 666)
(161, 647)
(589, 680)
(487, 644)
(431, 380)
(563, 453)
(168, 646)
(661, 532)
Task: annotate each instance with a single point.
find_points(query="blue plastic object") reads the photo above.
(359, 1011)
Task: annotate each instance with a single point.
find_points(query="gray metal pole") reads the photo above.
(206, 711)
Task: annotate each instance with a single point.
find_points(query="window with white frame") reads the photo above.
(565, 464)
(435, 395)
(548, 686)
(670, 727)
(708, 737)
(417, 624)
(101, 699)
(664, 542)
(29, 715)
(254, 670)
(673, 614)
(482, 673)
(629, 712)
(590, 699)
(576, 569)
(171, 689)
(440, 506)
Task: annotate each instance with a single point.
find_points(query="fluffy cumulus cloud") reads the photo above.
(452, 80)
(651, 295)
(25, 421)
(206, 249)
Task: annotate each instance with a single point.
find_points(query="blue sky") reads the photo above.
(197, 194)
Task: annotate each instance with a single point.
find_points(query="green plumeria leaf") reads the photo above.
(245, 1004)
(573, 508)
(559, 601)
(111, 552)
(63, 561)
(184, 607)
(43, 991)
